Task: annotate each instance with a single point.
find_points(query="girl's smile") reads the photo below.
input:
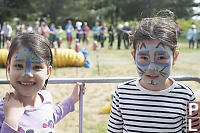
(26, 83)
(152, 77)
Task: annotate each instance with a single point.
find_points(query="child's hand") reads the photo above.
(75, 93)
(13, 110)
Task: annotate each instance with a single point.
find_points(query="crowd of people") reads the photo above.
(100, 33)
(55, 34)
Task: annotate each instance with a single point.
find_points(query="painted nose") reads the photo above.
(27, 71)
(152, 67)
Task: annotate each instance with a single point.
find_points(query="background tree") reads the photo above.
(91, 10)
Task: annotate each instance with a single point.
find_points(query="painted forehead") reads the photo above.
(26, 54)
(152, 46)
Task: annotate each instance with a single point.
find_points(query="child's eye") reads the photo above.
(144, 57)
(161, 57)
(18, 66)
(37, 67)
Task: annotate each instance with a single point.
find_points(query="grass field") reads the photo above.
(113, 63)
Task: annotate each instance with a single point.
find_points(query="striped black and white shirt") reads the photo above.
(136, 109)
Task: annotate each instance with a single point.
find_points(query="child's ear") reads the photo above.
(8, 67)
(133, 54)
(176, 54)
(49, 69)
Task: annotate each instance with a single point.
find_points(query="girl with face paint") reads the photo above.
(154, 102)
(154, 62)
(29, 108)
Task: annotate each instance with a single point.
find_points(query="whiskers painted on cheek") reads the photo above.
(141, 72)
(163, 73)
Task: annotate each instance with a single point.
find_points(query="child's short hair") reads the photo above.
(162, 28)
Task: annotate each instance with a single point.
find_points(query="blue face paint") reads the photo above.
(165, 54)
(154, 58)
(144, 53)
(28, 57)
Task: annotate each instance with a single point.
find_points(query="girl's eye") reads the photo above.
(37, 67)
(19, 66)
(161, 58)
(144, 57)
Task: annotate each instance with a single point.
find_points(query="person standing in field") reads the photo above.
(191, 36)
(96, 33)
(126, 29)
(85, 40)
(59, 32)
(103, 31)
(69, 30)
(45, 29)
(52, 34)
(119, 35)
(7, 32)
(198, 37)
(111, 32)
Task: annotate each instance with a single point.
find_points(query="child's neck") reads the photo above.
(159, 87)
(30, 101)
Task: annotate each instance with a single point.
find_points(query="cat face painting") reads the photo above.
(154, 61)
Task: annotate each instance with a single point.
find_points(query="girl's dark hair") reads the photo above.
(38, 44)
(162, 28)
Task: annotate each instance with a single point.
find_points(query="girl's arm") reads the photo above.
(61, 110)
(115, 124)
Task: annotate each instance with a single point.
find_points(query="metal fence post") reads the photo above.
(81, 109)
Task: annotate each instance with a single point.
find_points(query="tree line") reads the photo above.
(111, 11)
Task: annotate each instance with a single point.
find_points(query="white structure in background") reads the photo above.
(196, 10)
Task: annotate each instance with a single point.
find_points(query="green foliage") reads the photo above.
(186, 24)
(112, 11)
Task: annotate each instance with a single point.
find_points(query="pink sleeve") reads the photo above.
(5, 128)
(62, 109)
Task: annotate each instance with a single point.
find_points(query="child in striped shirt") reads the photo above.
(154, 102)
